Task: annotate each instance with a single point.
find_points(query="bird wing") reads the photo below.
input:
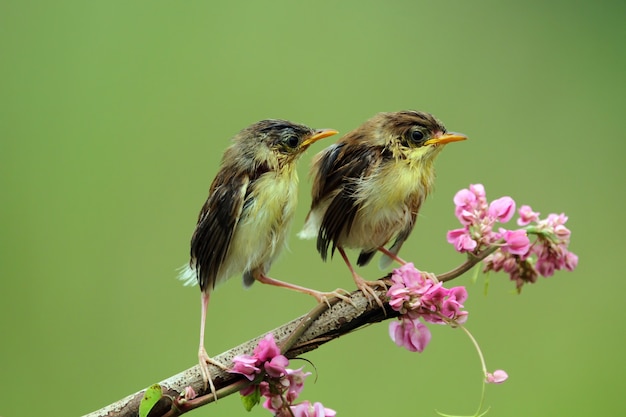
(337, 171)
(216, 224)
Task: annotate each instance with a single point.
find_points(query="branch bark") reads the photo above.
(338, 320)
(322, 325)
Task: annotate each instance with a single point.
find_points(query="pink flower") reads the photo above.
(266, 349)
(306, 409)
(190, 394)
(545, 267)
(464, 198)
(497, 377)
(412, 334)
(522, 259)
(277, 366)
(556, 219)
(280, 386)
(571, 261)
(296, 383)
(273, 402)
(516, 241)
(479, 191)
(461, 240)
(502, 209)
(526, 215)
(246, 366)
(418, 296)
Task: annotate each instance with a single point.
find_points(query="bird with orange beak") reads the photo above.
(243, 225)
(369, 186)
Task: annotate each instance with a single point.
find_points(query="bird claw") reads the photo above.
(204, 359)
(367, 288)
(339, 293)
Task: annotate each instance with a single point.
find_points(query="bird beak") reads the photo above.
(446, 138)
(319, 134)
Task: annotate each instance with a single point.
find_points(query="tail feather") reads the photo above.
(365, 257)
(188, 275)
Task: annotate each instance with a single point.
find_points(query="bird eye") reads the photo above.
(292, 141)
(417, 136)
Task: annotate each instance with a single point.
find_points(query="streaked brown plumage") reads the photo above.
(243, 225)
(368, 187)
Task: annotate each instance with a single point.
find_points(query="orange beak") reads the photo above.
(319, 134)
(446, 138)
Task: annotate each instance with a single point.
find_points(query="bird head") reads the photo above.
(412, 135)
(275, 144)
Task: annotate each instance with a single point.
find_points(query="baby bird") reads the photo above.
(244, 222)
(369, 186)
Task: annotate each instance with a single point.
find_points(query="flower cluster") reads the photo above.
(417, 296)
(280, 386)
(522, 259)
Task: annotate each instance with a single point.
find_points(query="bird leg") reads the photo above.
(367, 287)
(203, 357)
(321, 297)
(392, 255)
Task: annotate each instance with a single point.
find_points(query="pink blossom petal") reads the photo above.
(266, 349)
(296, 383)
(516, 242)
(245, 365)
(545, 267)
(497, 377)
(306, 409)
(478, 190)
(526, 215)
(464, 198)
(502, 209)
(459, 293)
(571, 261)
(277, 366)
(190, 393)
(461, 240)
(411, 334)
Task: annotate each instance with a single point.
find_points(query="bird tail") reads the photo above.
(311, 227)
(188, 275)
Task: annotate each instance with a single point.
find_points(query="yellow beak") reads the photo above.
(319, 134)
(446, 138)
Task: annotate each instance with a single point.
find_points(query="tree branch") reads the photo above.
(323, 324)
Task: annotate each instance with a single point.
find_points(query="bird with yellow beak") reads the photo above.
(243, 225)
(369, 186)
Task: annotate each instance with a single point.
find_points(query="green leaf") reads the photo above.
(475, 273)
(252, 399)
(152, 395)
(486, 283)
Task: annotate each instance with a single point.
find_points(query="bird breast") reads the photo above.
(264, 223)
(388, 201)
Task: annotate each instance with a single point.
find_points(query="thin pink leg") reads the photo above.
(363, 285)
(321, 297)
(203, 357)
(392, 255)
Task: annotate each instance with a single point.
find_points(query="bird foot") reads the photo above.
(204, 360)
(322, 297)
(367, 288)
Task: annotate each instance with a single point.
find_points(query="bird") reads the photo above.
(243, 225)
(369, 186)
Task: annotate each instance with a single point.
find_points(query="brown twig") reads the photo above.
(323, 324)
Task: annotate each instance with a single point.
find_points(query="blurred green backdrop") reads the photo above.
(115, 114)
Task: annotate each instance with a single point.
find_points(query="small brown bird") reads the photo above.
(369, 186)
(243, 224)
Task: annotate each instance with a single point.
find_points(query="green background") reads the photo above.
(114, 116)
